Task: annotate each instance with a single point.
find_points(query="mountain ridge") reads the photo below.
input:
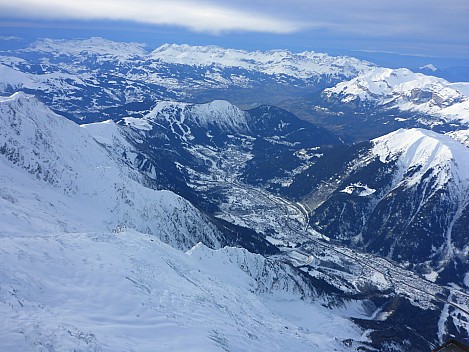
(55, 151)
(404, 196)
(319, 88)
(406, 91)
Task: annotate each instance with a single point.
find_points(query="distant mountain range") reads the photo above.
(84, 78)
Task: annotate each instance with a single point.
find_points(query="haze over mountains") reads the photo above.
(201, 198)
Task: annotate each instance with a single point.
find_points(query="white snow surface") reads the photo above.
(12, 79)
(275, 62)
(358, 189)
(130, 292)
(407, 91)
(107, 133)
(461, 136)
(426, 151)
(137, 123)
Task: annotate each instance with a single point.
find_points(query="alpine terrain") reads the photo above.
(195, 198)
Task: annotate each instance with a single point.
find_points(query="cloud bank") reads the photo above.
(373, 17)
(411, 26)
(195, 15)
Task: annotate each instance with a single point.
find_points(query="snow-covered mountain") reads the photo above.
(404, 195)
(230, 165)
(100, 48)
(213, 145)
(130, 292)
(83, 77)
(306, 65)
(406, 91)
(72, 197)
(218, 114)
(72, 259)
(99, 200)
(87, 80)
(52, 164)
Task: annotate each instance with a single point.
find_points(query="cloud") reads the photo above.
(194, 15)
(420, 26)
(372, 17)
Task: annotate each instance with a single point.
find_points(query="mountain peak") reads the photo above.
(425, 151)
(219, 113)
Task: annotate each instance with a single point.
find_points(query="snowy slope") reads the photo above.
(60, 168)
(437, 166)
(219, 114)
(76, 275)
(432, 154)
(405, 90)
(13, 80)
(461, 136)
(130, 292)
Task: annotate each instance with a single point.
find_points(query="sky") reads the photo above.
(410, 27)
